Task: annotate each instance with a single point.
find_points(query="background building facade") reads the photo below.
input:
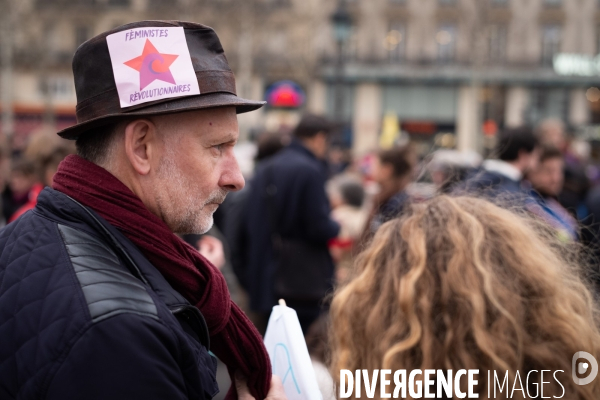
(456, 70)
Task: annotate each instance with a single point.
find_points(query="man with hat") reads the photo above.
(99, 299)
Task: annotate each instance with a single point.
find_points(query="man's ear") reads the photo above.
(141, 144)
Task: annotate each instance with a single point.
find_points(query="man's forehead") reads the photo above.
(211, 120)
(222, 125)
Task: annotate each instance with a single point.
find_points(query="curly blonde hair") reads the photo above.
(460, 283)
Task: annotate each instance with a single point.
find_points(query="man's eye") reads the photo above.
(218, 149)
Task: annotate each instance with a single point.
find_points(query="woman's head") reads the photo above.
(346, 190)
(23, 176)
(459, 283)
(393, 164)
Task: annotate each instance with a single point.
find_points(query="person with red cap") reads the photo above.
(99, 298)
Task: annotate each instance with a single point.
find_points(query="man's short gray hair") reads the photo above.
(95, 144)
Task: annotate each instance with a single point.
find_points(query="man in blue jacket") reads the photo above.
(287, 204)
(99, 299)
(516, 152)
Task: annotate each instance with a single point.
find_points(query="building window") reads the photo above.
(446, 42)
(82, 33)
(395, 41)
(447, 2)
(548, 102)
(280, 3)
(58, 88)
(553, 3)
(550, 42)
(119, 3)
(166, 3)
(498, 35)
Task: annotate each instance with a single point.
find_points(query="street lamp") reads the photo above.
(342, 28)
(342, 23)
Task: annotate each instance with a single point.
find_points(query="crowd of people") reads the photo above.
(502, 251)
(109, 261)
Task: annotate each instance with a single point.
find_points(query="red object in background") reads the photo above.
(285, 94)
(490, 127)
(345, 244)
(419, 127)
(284, 97)
(31, 202)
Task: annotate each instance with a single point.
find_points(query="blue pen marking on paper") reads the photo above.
(290, 370)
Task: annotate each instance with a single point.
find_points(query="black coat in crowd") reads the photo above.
(298, 210)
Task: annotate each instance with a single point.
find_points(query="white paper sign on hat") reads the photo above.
(289, 356)
(151, 64)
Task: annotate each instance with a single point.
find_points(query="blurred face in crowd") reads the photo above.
(528, 161)
(185, 165)
(317, 144)
(548, 177)
(382, 173)
(21, 183)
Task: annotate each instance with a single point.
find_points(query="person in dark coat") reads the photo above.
(234, 207)
(500, 178)
(298, 210)
(99, 297)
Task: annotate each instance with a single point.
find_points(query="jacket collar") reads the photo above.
(297, 145)
(503, 168)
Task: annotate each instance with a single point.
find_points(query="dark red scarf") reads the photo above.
(233, 337)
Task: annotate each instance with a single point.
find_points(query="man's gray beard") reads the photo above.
(191, 220)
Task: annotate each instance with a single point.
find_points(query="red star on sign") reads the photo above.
(153, 65)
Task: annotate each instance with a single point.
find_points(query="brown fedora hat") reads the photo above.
(100, 98)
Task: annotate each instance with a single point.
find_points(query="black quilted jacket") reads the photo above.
(84, 315)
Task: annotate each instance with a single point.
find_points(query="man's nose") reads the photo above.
(232, 178)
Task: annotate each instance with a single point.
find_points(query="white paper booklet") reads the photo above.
(289, 356)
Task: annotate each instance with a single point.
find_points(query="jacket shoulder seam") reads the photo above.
(108, 287)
